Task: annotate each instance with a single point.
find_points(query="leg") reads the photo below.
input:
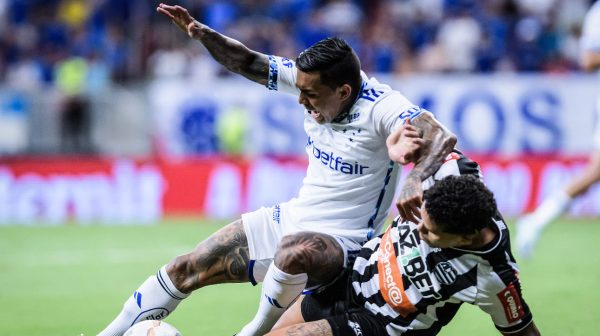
(223, 257)
(300, 258)
(292, 315)
(590, 176)
(531, 226)
(317, 254)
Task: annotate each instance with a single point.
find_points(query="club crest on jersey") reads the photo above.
(445, 273)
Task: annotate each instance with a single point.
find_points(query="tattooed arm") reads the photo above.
(437, 143)
(320, 327)
(232, 54)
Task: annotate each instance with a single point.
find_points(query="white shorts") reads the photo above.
(264, 229)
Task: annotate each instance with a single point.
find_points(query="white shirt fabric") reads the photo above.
(350, 180)
(590, 36)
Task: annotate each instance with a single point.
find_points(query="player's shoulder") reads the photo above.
(372, 92)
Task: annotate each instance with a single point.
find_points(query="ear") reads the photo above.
(344, 92)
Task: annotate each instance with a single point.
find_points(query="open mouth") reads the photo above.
(316, 115)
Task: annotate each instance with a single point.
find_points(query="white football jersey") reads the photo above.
(350, 180)
(590, 35)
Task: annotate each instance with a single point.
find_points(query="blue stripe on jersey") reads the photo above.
(138, 298)
(411, 113)
(388, 175)
(273, 73)
(369, 94)
(251, 272)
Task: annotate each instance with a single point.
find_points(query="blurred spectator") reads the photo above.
(75, 115)
(390, 35)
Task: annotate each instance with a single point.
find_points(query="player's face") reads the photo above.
(433, 235)
(322, 102)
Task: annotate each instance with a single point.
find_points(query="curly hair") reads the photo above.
(460, 204)
(335, 61)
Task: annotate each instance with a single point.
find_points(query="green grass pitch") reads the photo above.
(72, 280)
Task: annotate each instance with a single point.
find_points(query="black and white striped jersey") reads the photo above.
(417, 289)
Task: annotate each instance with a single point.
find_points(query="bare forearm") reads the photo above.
(439, 142)
(234, 55)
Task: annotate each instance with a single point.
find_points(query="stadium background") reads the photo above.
(122, 144)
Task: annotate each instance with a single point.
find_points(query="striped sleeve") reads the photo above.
(503, 302)
(282, 75)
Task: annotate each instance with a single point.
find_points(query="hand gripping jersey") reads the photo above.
(350, 180)
(417, 289)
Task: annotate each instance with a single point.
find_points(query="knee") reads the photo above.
(308, 252)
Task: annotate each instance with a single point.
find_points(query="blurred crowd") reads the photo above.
(69, 42)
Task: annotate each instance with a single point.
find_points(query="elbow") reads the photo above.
(449, 140)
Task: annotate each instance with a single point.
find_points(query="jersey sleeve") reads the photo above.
(392, 111)
(282, 75)
(455, 164)
(505, 304)
(590, 37)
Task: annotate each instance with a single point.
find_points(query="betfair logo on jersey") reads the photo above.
(334, 162)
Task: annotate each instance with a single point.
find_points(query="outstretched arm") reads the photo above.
(437, 143)
(232, 54)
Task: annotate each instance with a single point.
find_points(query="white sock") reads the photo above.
(156, 298)
(552, 207)
(279, 291)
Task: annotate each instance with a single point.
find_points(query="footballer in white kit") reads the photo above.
(353, 125)
(531, 226)
(590, 42)
(350, 181)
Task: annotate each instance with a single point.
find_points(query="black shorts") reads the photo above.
(346, 317)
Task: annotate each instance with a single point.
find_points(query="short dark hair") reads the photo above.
(460, 204)
(336, 62)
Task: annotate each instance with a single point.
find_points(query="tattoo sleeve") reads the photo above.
(320, 327)
(439, 142)
(235, 56)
